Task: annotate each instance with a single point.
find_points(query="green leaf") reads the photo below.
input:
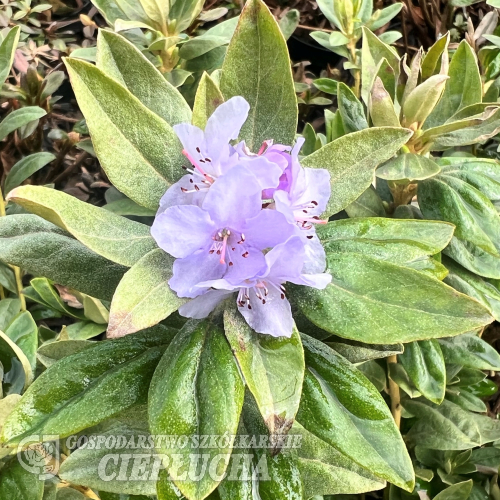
(200, 45)
(185, 13)
(289, 22)
(273, 369)
(326, 471)
(18, 118)
(257, 67)
(408, 166)
(463, 88)
(143, 297)
(359, 352)
(82, 330)
(196, 390)
(398, 241)
(24, 333)
(69, 494)
(50, 353)
(369, 204)
(382, 16)
(471, 351)
(381, 107)
(17, 483)
(124, 470)
(342, 408)
(458, 491)
(374, 301)
(482, 173)
(375, 54)
(424, 363)
(463, 132)
(327, 85)
(473, 285)
(44, 292)
(7, 51)
(121, 60)
(15, 365)
(208, 99)
(475, 244)
(351, 160)
(118, 239)
(25, 168)
(434, 54)
(449, 427)
(88, 387)
(138, 150)
(351, 110)
(421, 101)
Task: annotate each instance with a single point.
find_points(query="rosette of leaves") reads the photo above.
(349, 17)
(216, 376)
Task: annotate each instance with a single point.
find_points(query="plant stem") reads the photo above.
(17, 271)
(395, 395)
(356, 72)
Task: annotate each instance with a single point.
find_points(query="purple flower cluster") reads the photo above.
(242, 223)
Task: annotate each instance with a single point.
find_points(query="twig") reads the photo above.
(394, 394)
(68, 170)
(64, 118)
(311, 28)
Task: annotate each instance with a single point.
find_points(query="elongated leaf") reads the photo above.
(15, 361)
(123, 9)
(408, 166)
(343, 409)
(25, 168)
(458, 491)
(473, 285)
(449, 427)
(121, 60)
(326, 471)
(143, 297)
(374, 301)
(359, 352)
(18, 118)
(424, 363)
(273, 369)
(138, 150)
(352, 159)
(208, 99)
(118, 239)
(475, 244)
(23, 331)
(397, 241)
(369, 204)
(482, 173)
(375, 55)
(42, 249)
(463, 88)
(257, 67)
(463, 132)
(88, 387)
(18, 483)
(351, 110)
(7, 51)
(470, 351)
(196, 390)
(123, 470)
(50, 353)
(431, 59)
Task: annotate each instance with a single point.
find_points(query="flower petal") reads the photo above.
(267, 173)
(182, 230)
(224, 125)
(272, 318)
(196, 268)
(268, 229)
(233, 198)
(201, 306)
(285, 261)
(317, 188)
(176, 196)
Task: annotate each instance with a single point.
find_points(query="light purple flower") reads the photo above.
(262, 299)
(223, 237)
(303, 200)
(211, 155)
